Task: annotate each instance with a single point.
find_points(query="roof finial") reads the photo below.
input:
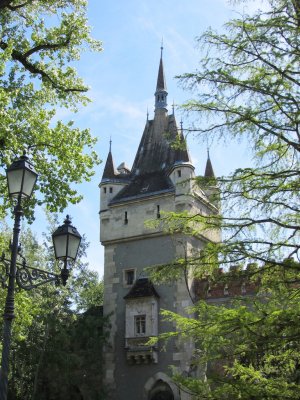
(181, 125)
(110, 144)
(147, 114)
(173, 108)
(207, 152)
(161, 87)
(161, 47)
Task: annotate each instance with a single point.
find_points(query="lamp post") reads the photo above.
(21, 178)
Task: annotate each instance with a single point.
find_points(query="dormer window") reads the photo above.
(141, 316)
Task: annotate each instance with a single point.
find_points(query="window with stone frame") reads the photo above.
(140, 325)
(129, 275)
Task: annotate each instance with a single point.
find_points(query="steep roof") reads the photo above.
(110, 175)
(109, 169)
(158, 149)
(142, 288)
(161, 82)
(144, 186)
(161, 147)
(209, 172)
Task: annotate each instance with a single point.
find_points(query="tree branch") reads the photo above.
(34, 69)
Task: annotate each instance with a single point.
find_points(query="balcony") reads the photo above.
(138, 352)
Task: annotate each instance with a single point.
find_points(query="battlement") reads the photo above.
(226, 285)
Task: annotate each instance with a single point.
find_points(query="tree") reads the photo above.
(248, 89)
(40, 42)
(58, 334)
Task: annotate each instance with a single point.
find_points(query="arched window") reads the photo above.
(161, 391)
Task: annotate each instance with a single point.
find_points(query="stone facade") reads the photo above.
(161, 180)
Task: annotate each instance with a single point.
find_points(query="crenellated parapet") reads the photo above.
(226, 285)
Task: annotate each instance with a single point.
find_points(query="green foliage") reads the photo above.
(40, 41)
(56, 347)
(248, 347)
(247, 88)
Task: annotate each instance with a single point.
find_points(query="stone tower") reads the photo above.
(161, 180)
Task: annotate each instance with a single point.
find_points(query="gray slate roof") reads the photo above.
(209, 172)
(154, 159)
(161, 82)
(162, 146)
(142, 288)
(109, 169)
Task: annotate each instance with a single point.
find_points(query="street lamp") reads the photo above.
(66, 240)
(21, 178)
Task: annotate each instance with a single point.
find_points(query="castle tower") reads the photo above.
(161, 180)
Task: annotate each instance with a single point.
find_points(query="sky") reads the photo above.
(122, 81)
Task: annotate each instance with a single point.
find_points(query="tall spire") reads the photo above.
(209, 172)
(161, 87)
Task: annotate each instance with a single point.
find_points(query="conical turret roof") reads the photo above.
(209, 172)
(109, 169)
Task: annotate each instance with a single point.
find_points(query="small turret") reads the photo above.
(182, 171)
(209, 172)
(211, 188)
(112, 181)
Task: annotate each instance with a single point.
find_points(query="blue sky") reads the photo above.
(122, 79)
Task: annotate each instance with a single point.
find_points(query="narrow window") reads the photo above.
(126, 218)
(110, 190)
(104, 190)
(226, 290)
(129, 277)
(158, 212)
(179, 173)
(208, 291)
(243, 288)
(140, 325)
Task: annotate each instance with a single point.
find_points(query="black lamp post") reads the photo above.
(21, 178)
(66, 240)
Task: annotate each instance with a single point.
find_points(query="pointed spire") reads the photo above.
(209, 172)
(109, 169)
(161, 82)
(161, 87)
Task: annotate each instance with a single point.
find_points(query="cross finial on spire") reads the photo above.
(181, 125)
(110, 141)
(173, 107)
(147, 114)
(161, 47)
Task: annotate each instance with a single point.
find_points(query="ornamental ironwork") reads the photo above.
(26, 277)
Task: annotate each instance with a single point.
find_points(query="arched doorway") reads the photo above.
(161, 391)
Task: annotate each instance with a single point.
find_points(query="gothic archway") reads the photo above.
(161, 391)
